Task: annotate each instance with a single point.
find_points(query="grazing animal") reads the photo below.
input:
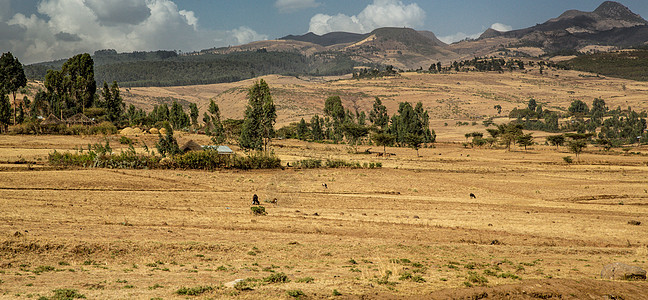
(255, 200)
(274, 201)
(325, 186)
(472, 196)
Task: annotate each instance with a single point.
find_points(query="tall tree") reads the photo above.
(113, 102)
(333, 108)
(12, 77)
(177, 116)
(193, 113)
(80, 81)
(316, 128)
(378, 115)
(218, 131)
(302, 130)
(260, 116)
(5, 112)
(383, 139)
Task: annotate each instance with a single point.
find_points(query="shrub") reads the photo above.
(309, 163)
(568, 159)
(336, 293)
(473, 277)
(306, 280)
(105, 128)
(258, 210)
(66, 294)
(295, 293)
(194, 291)
(276, 278)
(124, 140)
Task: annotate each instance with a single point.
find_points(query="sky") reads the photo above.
(43, 30)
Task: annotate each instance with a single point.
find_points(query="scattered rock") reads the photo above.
(416, 217)
(18, 234)
(634, 222)
(231, 284)
(621, 271)
(496, 242)
(293, 243)
(315, 214)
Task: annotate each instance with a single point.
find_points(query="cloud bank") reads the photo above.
(291, 6)
(460, 36)
(63, 28)
(381, 13)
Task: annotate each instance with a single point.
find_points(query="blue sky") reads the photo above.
(40, 30)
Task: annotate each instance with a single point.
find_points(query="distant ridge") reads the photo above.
(329, 39)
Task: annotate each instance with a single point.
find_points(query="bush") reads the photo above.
(276, 278)
(105, 128)
(473, 277)
(568, 159)
(66, 294)
(124, 140)
(295, 293)
(194, 291)
(309, 163)
(258, 210)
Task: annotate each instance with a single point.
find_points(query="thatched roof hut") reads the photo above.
(79, 119)
(190, 146)
(51, 120)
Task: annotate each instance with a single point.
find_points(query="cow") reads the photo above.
(255, 200)
(472, 196)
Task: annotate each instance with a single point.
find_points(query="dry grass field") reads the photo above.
(539, 228)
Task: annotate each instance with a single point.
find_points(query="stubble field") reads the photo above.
(538, 227)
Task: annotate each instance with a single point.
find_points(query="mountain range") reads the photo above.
(610, 26)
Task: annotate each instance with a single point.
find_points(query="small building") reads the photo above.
(220, 149)
(79, 119)
(190, 146)
(51, 120)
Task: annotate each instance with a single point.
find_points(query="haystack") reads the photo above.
(163, 131)
(190, 146)
(154, 131)
(131, 131)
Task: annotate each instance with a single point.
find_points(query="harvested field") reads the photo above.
(539, 228)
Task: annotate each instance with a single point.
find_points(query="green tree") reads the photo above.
(354, 132)
(378, 115)
(509, 133)
(12, 77)
(525, 140)
(316, 128)
(113, 102)
(333, 108)
(218, 131)
(384, 140)
(577, 146)
(556, 140)
(80, 81)
(531, 106)
(177, 116)
(260, 116)
(302, 130)
(598, 111)
(414, 141)
(193, 114)
(5, 112)
(167, 145)
(578, 107)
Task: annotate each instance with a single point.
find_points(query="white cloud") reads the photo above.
(244, 35)
(68, 27)
(381, 13)
(290, 6)
(459, 36)
(501, 27)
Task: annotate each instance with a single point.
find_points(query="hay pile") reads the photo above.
(154, 131)
(131, 131)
